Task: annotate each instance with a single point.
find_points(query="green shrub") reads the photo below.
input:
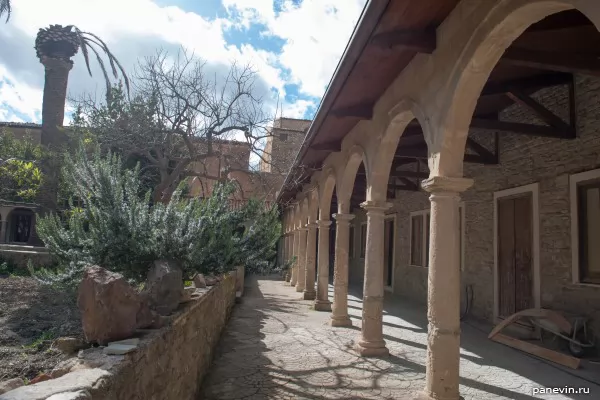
(118, 228)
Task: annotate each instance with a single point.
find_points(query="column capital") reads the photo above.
(446, 184)
(324, 223)
(311, 225)
(376, 206)
(343, 217)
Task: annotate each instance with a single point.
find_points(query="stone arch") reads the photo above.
(398, 118)
(504, 22)
(326, 187)
(356, 156)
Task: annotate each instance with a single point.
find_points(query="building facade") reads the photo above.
(457, 155)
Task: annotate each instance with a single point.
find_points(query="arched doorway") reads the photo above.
(20, 222)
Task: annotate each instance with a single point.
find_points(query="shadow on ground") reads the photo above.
(276, 347)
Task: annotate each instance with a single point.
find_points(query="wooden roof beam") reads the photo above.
(560, 62)
(527, 84)
(545, 115)
(419, 41)
(517, 127)
(362, 111)
(421, 154)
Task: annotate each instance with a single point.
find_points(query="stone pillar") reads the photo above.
(301, 271)
(295, 243)
(371, 342)
(53, 137)
(322, 302)
(309, 279)
(443, 294)
(339, 315)
(288, 273)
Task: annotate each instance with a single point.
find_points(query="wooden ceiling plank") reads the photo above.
(560, 62)
(332, 146)
(419, 41)
(362, 111)
(562, 20)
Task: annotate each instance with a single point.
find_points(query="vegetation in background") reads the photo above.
(20, 174)
(179, 117)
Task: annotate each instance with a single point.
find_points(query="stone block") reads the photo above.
(85, 380)
(163, 286)
(199, 281)
(119, 349)
(108, 306)
(69, 345)
(78, 395)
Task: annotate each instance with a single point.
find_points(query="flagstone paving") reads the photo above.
(276, 347)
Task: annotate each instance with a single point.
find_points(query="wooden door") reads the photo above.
(388, 255)
(515, 261)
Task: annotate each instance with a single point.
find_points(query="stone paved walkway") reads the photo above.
(276, 347)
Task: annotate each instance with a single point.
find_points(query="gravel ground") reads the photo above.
(31, 316)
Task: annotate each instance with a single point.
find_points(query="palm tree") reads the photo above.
(54, 47)
(5, 8)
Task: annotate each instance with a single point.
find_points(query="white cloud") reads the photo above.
(18, 98)
(315, 35)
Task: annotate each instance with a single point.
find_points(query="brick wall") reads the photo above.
(523, 160)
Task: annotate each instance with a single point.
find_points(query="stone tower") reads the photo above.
(282, 146)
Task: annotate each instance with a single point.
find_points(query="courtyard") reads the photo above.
(276, 347)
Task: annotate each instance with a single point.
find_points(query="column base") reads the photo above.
(377, 349)
(299, 288)
(426, 396)
(322, 305)
(309, 295)
(344, 321)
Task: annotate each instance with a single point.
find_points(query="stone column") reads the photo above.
(294, 254)
(339, 315)
(288, 273)
(443, 294)
(371, 342)
(309, 279)
(301, 270)
(53, 137)
(322, 302)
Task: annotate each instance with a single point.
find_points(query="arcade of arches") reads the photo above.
(480, 155)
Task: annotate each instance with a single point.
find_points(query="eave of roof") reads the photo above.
(367, 23)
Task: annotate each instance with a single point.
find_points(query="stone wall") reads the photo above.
(523, 160)
(22, 255)
(169, 363)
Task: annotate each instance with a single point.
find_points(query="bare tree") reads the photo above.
(181, 119)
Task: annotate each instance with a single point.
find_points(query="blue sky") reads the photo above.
(293, 45)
